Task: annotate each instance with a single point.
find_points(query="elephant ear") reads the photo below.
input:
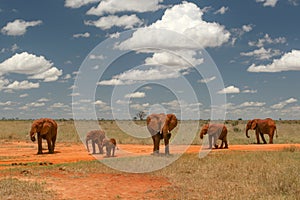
(253, 124)
(170, 123)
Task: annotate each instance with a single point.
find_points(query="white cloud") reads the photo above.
(78, 3)
(229, 90)
(114, 6)
(247, 28)
(37, 67)
(282, 104)
(294, 2)
(7, 103)
(249, 91)
(83, 35)
(35, 104)
(185, 19)
(23, 95)
(107, 22)
(288, 62)
(262, 53)
(252, 104)
(271, 3)
(267, 40)
(18, 27)
(43, 100)
(222, 10)
(99, 103)
(136, 95)
(207, 80)
(96, 57)
(23, 85)
(59, 105)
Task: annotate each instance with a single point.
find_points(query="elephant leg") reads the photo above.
(40, 148)
(49, 146)
(167, 149)
(209, 141)
(113, 151)
(53, 143)
(100, 147)
(156, 140)
(93, 146)
(257, 136)
(271, 136)
(215, 137)
(221, 146)
(263, 138)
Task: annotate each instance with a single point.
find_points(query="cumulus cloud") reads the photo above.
(207, 80)
(36, 67)
(271, 3)
(114, 6)
(222, 10)
(126, 21)
(185, 19)
(23, 85)
(262, 53)
(18, 27)
(252, 104)
(267, 40)
(136, 95)
(229, 90)
(78, 3)
(82, 35)
(282, 104)
(288, 62)
(173, 32)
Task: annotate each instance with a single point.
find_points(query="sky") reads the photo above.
(110, 59)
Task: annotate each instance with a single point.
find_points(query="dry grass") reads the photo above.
(12, 188)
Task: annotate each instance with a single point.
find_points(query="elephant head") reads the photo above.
(251, 125)
(36, 127)
(204, 130)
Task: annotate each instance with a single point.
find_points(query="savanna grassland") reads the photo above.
(223, 174)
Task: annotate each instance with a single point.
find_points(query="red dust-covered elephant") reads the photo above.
(160, 127)
(215, 131)
(261, 127)
(45, 128)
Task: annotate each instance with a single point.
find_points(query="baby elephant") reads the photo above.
(215, 131)
(110, 147)
(97, 137)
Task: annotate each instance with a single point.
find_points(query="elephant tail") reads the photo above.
(276, 132)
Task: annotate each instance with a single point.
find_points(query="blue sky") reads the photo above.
(46, 46)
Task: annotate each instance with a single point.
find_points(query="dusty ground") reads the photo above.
(71, 185)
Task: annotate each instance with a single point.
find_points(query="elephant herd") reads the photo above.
(159, 126)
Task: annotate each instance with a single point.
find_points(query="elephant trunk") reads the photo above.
(201, 134)
(247, 133)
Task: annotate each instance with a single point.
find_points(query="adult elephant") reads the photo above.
(215, 132)
(97, 137)
(160, 127)
(45, 128)
(261, 127)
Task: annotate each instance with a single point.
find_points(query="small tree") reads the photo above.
(141, 115)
